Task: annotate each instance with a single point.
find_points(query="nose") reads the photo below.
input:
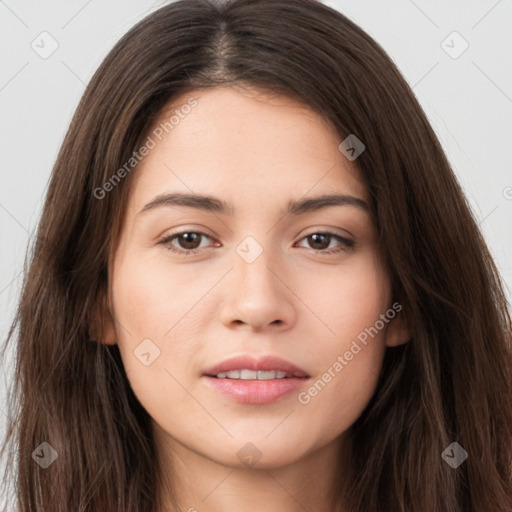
(258, 295)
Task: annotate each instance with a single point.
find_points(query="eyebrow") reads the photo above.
(215, 205)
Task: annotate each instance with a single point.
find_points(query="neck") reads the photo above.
(200, 484)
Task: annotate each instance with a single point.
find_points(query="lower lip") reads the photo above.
(255, 391)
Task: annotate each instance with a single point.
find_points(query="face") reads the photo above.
(261, 272)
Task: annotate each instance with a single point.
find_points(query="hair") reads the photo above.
(450, 382)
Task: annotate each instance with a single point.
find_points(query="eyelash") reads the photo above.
(347, 243)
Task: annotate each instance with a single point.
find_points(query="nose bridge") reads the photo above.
(256, 265)
(256, 293)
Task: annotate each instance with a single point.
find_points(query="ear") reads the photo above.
(399, 330)
(102, 324)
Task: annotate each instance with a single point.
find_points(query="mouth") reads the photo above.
(247, 367)
(246, 374)
(247, 380)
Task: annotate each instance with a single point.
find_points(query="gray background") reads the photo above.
(468, 100)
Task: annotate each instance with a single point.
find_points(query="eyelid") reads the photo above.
(330, 231)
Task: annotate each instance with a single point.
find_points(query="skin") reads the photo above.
(250, 149)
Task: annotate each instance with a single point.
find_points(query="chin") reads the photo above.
(254, 453)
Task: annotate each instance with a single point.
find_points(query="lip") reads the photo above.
(255, 391)
(265, 363)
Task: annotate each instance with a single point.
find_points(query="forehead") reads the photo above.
(246, 146)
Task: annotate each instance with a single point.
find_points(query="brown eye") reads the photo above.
(321, 241)
(187, 242)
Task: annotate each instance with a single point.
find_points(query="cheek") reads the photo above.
(347, 300)
(148, 313)
(159, 317)
(144, 312)
(337, 397)
(349, 358)
(152, 297)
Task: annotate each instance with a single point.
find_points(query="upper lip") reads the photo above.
(264, 363)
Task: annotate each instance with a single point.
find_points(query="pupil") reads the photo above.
(315, 238)
(189, 239)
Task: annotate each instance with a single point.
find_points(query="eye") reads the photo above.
(188, 240)
(322, 240)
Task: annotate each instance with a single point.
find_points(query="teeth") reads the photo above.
(253, 375)
(267, 375)
(248, 375)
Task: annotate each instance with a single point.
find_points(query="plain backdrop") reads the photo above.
(456, 54)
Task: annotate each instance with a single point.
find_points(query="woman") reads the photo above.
(257, 284)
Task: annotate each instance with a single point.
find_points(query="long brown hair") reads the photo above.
(450, 383)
